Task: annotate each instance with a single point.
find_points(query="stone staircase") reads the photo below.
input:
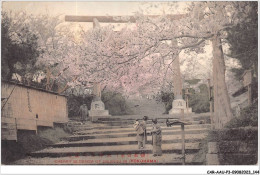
(113, 141)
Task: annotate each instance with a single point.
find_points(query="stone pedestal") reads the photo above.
(178, 105)
(98, 110)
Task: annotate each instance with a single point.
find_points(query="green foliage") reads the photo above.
(193, 81)
(231, 138)
(27, 142)
(237, 142)
(74, 102)
(201, 155)
(115, 103)
(199, 102)
(54, 135)
(166, 98)
(248, 117)
(246, 134)
(243, 40)
(17, 48)
(203, 89)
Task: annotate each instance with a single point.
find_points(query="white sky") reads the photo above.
(91, 8)
(94, 9)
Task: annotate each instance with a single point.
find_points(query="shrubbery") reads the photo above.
(54, 135)
(248, 117)
(199, 102)
(166, 98)
(74, 102)
(114, 102)
(28, 142)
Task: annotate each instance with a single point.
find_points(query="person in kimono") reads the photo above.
(83, 113)
(156, 138)
(139, 134)
(143, 124)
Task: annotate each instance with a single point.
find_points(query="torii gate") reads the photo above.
(222, 105)
(178, 100)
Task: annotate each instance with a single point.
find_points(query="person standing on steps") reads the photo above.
(83, 113)
(143, 124)
(156, 138)
(139, 134)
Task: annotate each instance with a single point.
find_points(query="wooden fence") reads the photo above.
(25, 108)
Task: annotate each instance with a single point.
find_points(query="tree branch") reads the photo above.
(192, 45)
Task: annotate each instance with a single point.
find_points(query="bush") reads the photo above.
(193, 81)
(166, 98)
(200, 156)
(236, 146)
(199, 102)
(27, 142)
(54, 135)
(115, 103)
(248, 117)
(74, 102)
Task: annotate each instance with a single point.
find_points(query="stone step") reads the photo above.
(113, 150)
(88, 127)
(166, 139)
(162, 117)
(129, 122)
(131, 134)
(123, 159)
(131, 129)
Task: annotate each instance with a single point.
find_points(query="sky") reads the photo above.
(92, 8)
(117, 8)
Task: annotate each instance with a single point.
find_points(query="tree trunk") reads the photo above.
(48, 77)
(222, 107)
(61, 90)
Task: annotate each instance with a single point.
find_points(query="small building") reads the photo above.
(26, 108)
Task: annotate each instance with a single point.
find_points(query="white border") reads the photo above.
(117, 169)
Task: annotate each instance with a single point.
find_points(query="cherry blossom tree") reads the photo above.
(104, 55)
(59, 57)
(122, 51)
(43, 45)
